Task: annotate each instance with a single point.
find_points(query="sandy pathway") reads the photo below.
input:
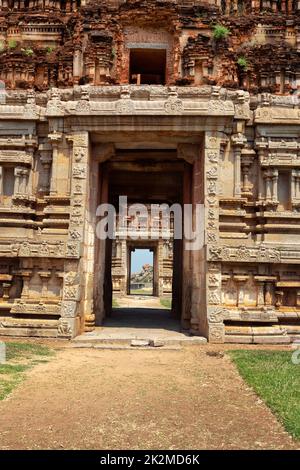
(86, 399)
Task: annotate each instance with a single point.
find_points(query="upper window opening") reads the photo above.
(147, 66)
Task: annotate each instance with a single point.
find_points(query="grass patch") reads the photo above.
(242, 62)
(115, 303)
(20, 357)
(276, 380)
(141, 292)
(165, 302)
(26, 350)
(220, 32)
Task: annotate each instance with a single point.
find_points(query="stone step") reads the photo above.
(136, 342)
(122, 347)
(29, 332)
(252, 339)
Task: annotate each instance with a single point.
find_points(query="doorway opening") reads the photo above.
(147, 66)
(141, 278)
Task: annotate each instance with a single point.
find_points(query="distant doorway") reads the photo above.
(141, 280)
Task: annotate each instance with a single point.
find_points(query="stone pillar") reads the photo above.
(44, 275)
(1, 180)
(212, 281)
(77, 65)
(18, 180)
(268, 175)
(298, 298)
(247, 160)
(76, 307)
(269, 294)
(260, 293)
(26, 275)
(54, 138)
(279, 298)
(275, 186)
(240, 280)
(238, 142)
(295, 189)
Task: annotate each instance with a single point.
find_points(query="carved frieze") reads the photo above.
(30, 307)
(50, 249)
(15, 156)
(279, 115)
(242, 254)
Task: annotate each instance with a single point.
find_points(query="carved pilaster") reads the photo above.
(238, 142)
(55, 138)
(1, 180)
(74, 291)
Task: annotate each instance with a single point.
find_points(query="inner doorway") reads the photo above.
(142, 271)
(144, 266)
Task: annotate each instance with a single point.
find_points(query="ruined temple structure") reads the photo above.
(169, 101)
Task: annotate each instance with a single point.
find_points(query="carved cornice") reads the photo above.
(39, 249)
(15, 156)
(258, 254)
(33, 308)
(242, 254)
(276, 115)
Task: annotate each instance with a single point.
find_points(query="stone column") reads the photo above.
(1, 180)
(77, 65)
(295, 189)
(268, 185)
(298, 298)
(210, 280)
(76, 306)
(240, 280)
(260, 293)
(279, 298)
(269, 294)
(275, 186)
(18, 179)
(44, 275)
(26, 275)
(55, 138)
(238, 142)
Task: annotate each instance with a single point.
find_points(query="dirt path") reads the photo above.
(89, 399)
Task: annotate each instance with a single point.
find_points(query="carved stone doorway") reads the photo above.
(148, 177)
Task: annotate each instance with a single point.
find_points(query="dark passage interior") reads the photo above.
(147, 66)
(145, 177)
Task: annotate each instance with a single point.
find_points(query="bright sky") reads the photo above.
(140, 257)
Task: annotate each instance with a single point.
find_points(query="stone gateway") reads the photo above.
(177, 102)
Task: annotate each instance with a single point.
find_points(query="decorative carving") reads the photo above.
(173, 106)
(79, 171)
(64, 328)
(73, 249)
(217, 314)
(68, 309)
(243, 254)
(125, 106)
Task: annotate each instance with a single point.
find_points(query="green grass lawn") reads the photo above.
(141, 292)
(165, 302)
(276, 380)
(19, 358)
